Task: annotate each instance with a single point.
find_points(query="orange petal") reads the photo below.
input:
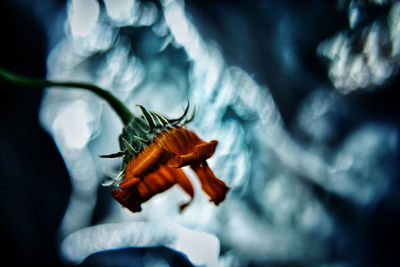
(166, 173)
(211, 185)
(144, 161)
(121, 196)
(183, 181)
(176, 142)
(195, 139)
(155, 182)
(201, 153)
(144, 191)
(190, 138)
(159, 181)
(185, 144)
(162, 140)
(176, 162)
(206, 150)
(128, 199)
(173, 176)
(187, 137)
(127, 183)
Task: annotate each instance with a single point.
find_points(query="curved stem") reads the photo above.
(123, 112)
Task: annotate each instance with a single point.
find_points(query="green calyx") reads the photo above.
(140, 132)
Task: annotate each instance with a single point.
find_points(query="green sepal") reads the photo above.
(191, 117)
(142, 125)
(148, 117)
(124, 163)
(129, 147)
(133, 129)
(114, 155)
(113, 179)
(142, 140)
(178, 120)
(160, 118)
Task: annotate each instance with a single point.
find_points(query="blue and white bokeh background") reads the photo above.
(291, 89)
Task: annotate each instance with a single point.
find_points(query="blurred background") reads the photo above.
(302, 96)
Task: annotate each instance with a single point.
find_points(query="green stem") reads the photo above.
(123, 112)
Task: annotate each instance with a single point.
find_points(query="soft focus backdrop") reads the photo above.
(302, 96)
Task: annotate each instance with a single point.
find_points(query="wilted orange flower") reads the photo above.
(157, 168)
(154, 169)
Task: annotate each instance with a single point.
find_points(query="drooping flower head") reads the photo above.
(154, 149)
